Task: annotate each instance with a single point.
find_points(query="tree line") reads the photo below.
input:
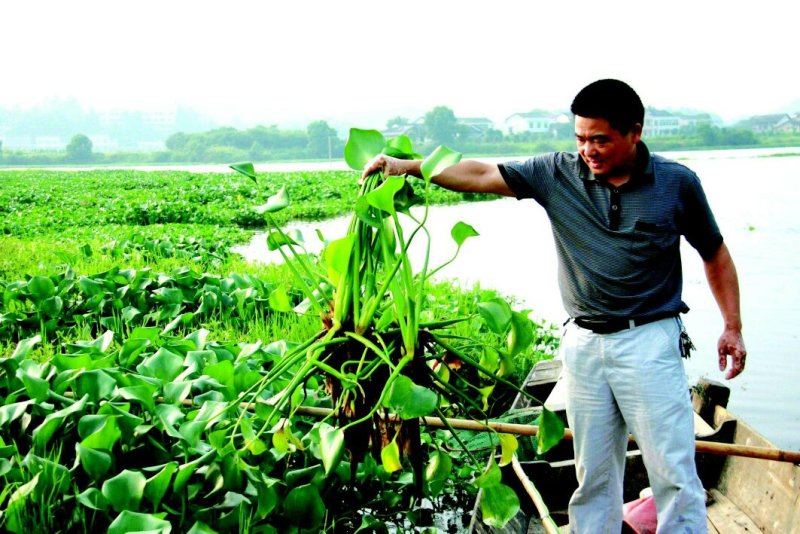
(320, 141)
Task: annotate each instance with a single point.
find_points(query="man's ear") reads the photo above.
(636, 132)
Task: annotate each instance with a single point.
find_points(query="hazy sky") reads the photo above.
(366, 61)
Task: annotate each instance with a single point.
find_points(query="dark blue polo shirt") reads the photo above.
(618, 248)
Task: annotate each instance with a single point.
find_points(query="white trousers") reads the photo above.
(631, 381)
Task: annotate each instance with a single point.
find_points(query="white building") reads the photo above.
(658, 123)
(537, 122)
(103, 143)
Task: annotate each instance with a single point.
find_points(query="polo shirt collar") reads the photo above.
(642, 172)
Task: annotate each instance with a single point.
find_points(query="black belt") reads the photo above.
(618, 324)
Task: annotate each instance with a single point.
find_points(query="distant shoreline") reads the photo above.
(340, 165)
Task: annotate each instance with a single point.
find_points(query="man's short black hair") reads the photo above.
(612, 100)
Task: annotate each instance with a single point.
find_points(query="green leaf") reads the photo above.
(99, 431)
(244, 377)
(279, 300)
(408, 400)
(91, 287)
(44, 432)
(390, 457)
(406, 198)
(51, 307)
(496, 313)
(86, 361)
(276, 202)
(169, 416)
(246, 168)
(183, 475)
(157, 485)
(279, 441)
(95, 463)
(201, 528)
(209, 413)
(197, 339)
(130, 313)
(400, 147)
(231, 500)
(12, 412)
(5, 467)
(367, 213)
(222, 372)
(25, 346)
(508, 446)
(491, 476)
(95, 346)
(168, 295)
(93, 498)
(191, 432)
(461, 231)
(499, 504)
(37, 387)
(141, 393)
(551, 430)
(164, 365)
(7, 451)
(41, 288)
(337, 256)
(383, 197)
(125, 491)
(276, 240)
(439, 468)
(267, 494)
(439, 160)
(304, 507)
(182, 319)
(127, 422)
(129, 522)
(361, 147)
(97, 384)
(149, 333)
(131, 349)
(520, 337)
(331, 446)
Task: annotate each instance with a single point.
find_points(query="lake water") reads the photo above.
(757, 204)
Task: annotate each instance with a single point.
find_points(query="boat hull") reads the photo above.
(745, 495)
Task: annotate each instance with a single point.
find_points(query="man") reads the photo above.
(617, 213)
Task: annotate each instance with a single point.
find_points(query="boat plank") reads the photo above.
(767, 491)
(727, 517)
(701, 428)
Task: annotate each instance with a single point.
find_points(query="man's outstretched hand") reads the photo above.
(390, 166)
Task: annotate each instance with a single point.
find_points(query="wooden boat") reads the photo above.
(744, 494)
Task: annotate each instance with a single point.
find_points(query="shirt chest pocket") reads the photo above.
(650, 241)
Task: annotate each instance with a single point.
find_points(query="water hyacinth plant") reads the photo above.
(131, 401)
(384, 365)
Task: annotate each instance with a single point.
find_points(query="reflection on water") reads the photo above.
(755, 201)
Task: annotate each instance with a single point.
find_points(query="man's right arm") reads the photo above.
(468, 176)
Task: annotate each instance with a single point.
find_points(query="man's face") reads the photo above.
(606, 151)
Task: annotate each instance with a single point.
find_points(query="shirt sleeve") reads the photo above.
(697, 223)
(531, 178)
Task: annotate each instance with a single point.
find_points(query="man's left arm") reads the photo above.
(724, 284)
